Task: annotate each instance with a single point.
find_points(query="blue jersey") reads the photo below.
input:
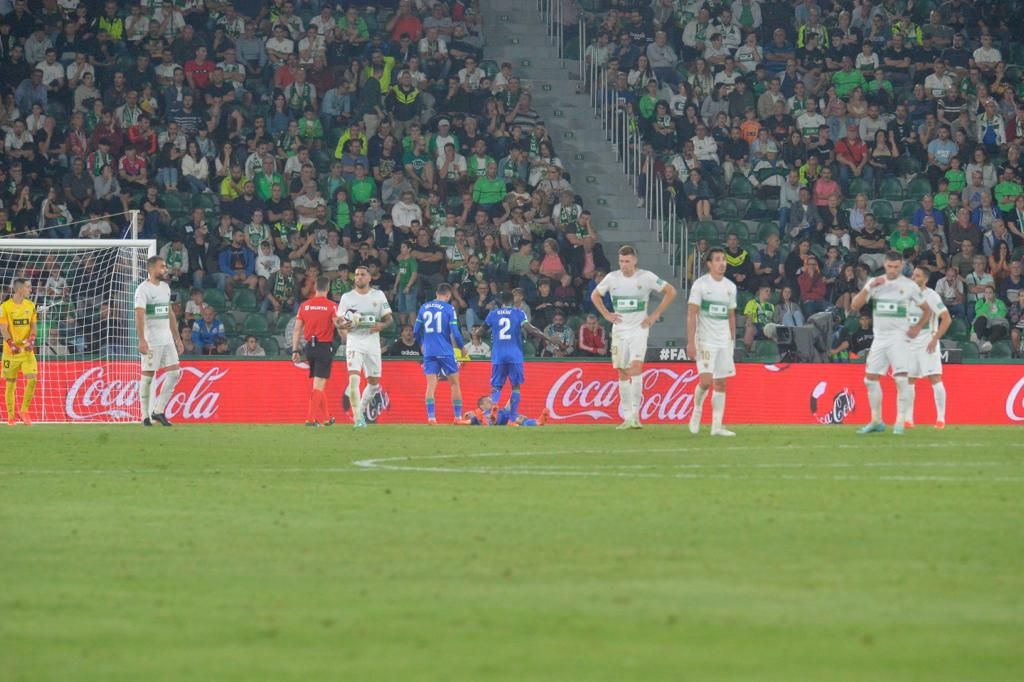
(437, 325)
(507, 335)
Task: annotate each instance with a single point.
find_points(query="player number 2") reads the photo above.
(433, 322)
(505, 329)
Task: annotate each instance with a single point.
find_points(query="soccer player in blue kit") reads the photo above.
(437, 332)
(507, 324)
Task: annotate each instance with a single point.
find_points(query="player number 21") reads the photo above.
(433, 322)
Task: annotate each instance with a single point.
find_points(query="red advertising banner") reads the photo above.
(238, 391)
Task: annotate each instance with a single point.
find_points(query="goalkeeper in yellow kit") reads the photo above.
(18, 326)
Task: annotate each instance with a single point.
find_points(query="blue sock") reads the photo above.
(430, 409)
(457, 407)
(495, 396)
(530, 422)
(513, 407)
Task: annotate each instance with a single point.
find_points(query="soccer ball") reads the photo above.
(352, 317)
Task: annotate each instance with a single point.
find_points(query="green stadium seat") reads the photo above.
(958, 331)
(882, 210)
(706, 229)
(256, 324)
(1001, 350)
(740, 187)
(215, 298)
(739, 229)
(271, 346)
(765, 230)
(917, 188)
(230, 326)
(758, 209)
(892, 189)
(970, 351)
(860, 186)
(765, 351)
(726, 209)
(244, 300)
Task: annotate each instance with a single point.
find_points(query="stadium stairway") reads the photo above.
(516, 34)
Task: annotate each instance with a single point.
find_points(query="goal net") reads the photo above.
(86, 345)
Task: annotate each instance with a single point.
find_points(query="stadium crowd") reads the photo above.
(809, 137)
(267, 143)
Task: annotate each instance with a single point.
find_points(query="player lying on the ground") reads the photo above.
(488, 414)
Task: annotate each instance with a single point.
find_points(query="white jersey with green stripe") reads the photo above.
(915, 312)
(155, 299)
(714, 298)
(630, 296)
(891, 303)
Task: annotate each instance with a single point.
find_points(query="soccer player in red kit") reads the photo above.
(315, 323)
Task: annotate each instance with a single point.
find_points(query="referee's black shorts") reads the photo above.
(320, 356)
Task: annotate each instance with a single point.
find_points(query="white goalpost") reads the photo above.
(86, 345)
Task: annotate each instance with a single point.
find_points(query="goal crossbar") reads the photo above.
(55, 244)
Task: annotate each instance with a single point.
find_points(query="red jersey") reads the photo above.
(200, 72)
(317, 316)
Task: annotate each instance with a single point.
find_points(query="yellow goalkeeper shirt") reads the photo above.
(19, 318)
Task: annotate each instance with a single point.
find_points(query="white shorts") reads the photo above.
(718, 362)
(628, 347)
(159, 357)
(923, 363)
(363, 358)
(888, 353)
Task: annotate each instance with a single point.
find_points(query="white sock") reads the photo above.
(874, 400)
(908, 402)
(939, 392)
(353, 396)
(717, 409)
(626, 398)
(901, 398)
(698, 400)
(368, 393)
(171, 379)
(145, 385)
(638, 395)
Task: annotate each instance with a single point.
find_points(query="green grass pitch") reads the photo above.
(555, 554)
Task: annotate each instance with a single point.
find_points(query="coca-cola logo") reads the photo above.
(835, 411)
(95, 397)
(378, 404)
(1015, 402)
(573, 396)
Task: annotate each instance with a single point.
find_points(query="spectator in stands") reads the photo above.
(208, 335)
(990, 321)
(592, 340)
(788, 312)
(251, 348)
(559, 331)
(237, 264)
(1012, 283)
(739, 264)
(858, 342)
(977, 281)
(1015, 317)
(758, 312)
(813, 288)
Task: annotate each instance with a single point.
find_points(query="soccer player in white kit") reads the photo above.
(159, 340)
(631, 289)
(711, 332)
(892, 295)
(925, 357)
(362, 346)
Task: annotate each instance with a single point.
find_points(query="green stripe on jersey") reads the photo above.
(716, 310)
(158, 311)
(628, 304)
(890, 308)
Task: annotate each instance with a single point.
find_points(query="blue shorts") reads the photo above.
(442, 364)
(512, 371)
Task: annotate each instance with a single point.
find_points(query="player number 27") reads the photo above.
(432, 322)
